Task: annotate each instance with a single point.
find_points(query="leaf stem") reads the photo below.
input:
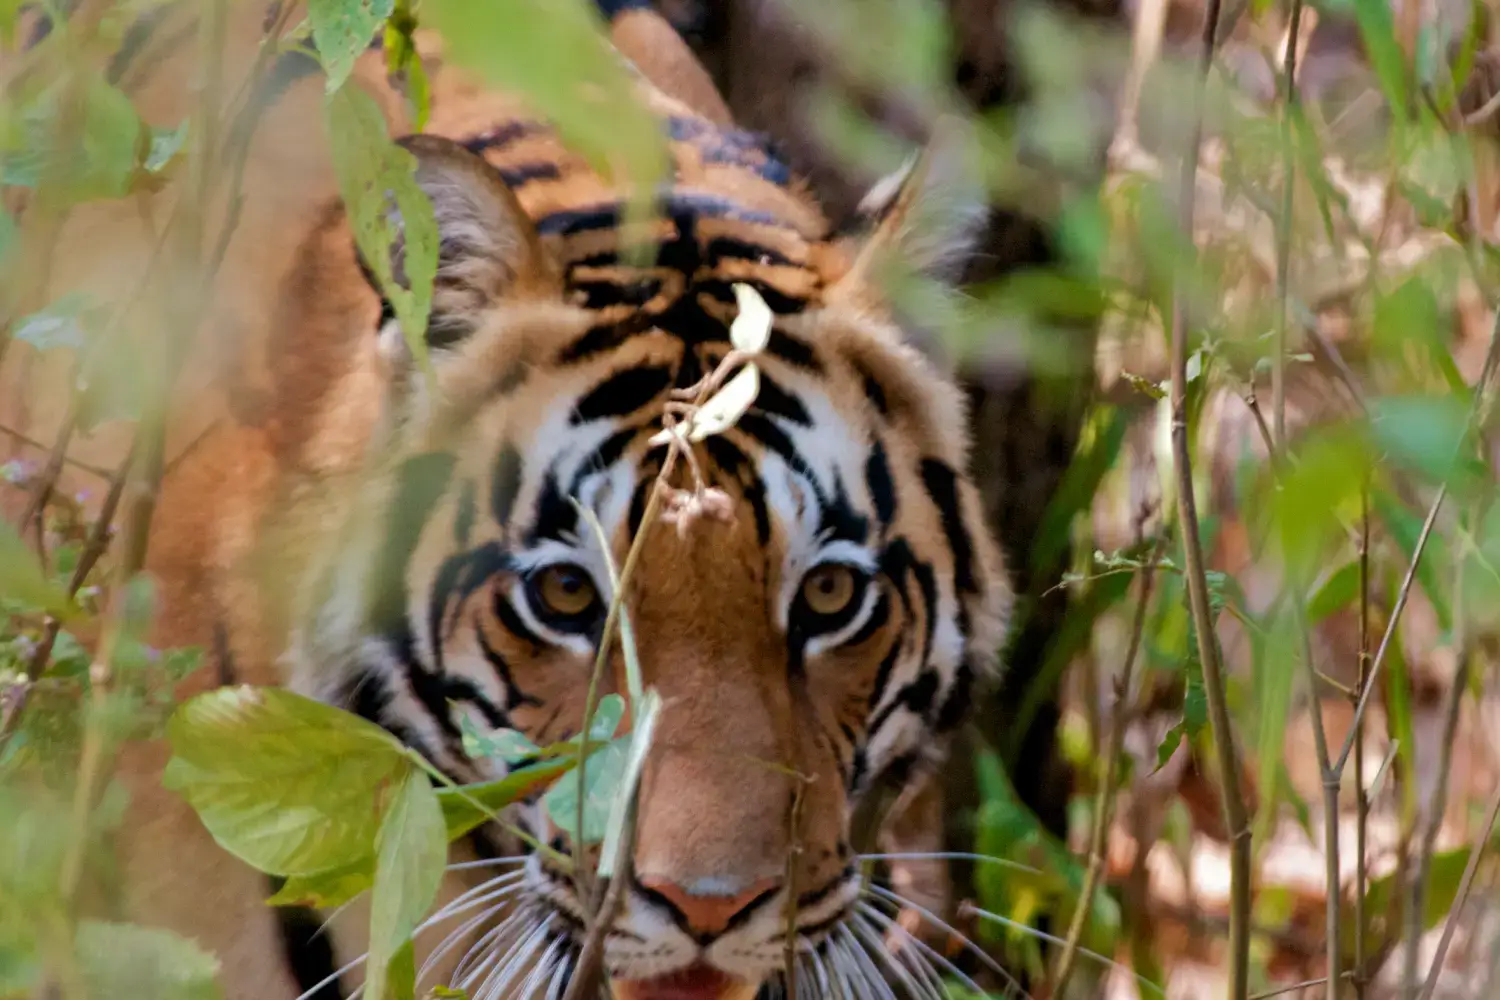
(1236, 821)
(1104, 804)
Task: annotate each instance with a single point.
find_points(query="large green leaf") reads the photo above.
(374, 172)
(468, 806)
(603, 774)
(127, 960)
(555, 53)
(342, 30)
(290, 785)
(410, 853)
(22, 579)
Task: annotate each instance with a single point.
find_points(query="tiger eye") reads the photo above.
(566, 590)
(829, 589)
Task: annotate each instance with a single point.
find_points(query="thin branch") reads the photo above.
(1362, 798)
(1104, 806)
(1235, 818)
(1284, 240)
(1464, 885)
(1294, 987)
(1476, 404)
(31, 442)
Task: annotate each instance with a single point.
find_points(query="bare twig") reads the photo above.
(1104, 804)
(1235, 819)
(1464, 884)
(1293, 988)
(793, 857)
(1361, 796)
(1476, 404)
(93, 549)
(31, 442)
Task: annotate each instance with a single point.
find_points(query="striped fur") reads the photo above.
(383, 541)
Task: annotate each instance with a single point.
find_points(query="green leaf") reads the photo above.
(61, 324)
(1104, 434)
(22, 579)
(606, 720)
(1337, 592)
(329, 888)
(403, 64)
(342, 30)
(468, 806)
(411, 851)
(508, 745)
(1405, 528)
(603, 774)
(645, 716)
(372, 173)
(554, 53)
(1378, 29)
(127, 960)
(287, 784)
(1425, 434)
(1168, 745)
(166, 143)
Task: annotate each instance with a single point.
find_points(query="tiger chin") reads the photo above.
(422, 549)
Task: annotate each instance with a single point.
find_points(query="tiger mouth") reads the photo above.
(699, 981)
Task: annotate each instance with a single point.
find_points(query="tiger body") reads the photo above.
(411, 549)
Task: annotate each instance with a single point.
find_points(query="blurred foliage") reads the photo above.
(366, 816)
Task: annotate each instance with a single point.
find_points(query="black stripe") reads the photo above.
(501, 136)
(612, 9)
(883, 675)
(942, 486)
(786, 347)
(595, 341)
(610, 451)
(880, 614)
(505, 483)
(522, 174)
(880, 484)
(512, 620)
(556, 517)
(771, 437)
(775, 400)
(725, 247)
(622, 394)
(420, 483)
(956, 705)
(308, 951)
(426, 686)
(462, 690)
(670, 202)
(137, 37)
(463, 521)
(839, 520)
(514, 696)
(735, 464)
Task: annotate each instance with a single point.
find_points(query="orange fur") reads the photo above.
(295, 424)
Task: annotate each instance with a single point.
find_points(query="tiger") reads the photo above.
(412, 544)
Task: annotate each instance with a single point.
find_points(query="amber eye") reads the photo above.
(564, 591)
(829, 590)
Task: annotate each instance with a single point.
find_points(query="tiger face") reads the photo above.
(821, 630)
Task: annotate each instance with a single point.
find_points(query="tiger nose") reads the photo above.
(705, 913)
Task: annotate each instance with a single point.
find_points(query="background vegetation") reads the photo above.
(1231, 355)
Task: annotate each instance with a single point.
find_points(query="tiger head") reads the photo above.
(821, 631)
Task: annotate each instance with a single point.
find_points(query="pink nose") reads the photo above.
(709, 915)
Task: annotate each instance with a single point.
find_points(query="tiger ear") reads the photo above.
(924, 218)
(487, 245)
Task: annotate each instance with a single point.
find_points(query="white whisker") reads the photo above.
(861, 928)
(931, 954)
(1053, 939)
(539, 973)
(514, 963)
(952, 856)
(897, 900)
(514, 859)
(865, 964)
(489, 950)
(456, 936)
